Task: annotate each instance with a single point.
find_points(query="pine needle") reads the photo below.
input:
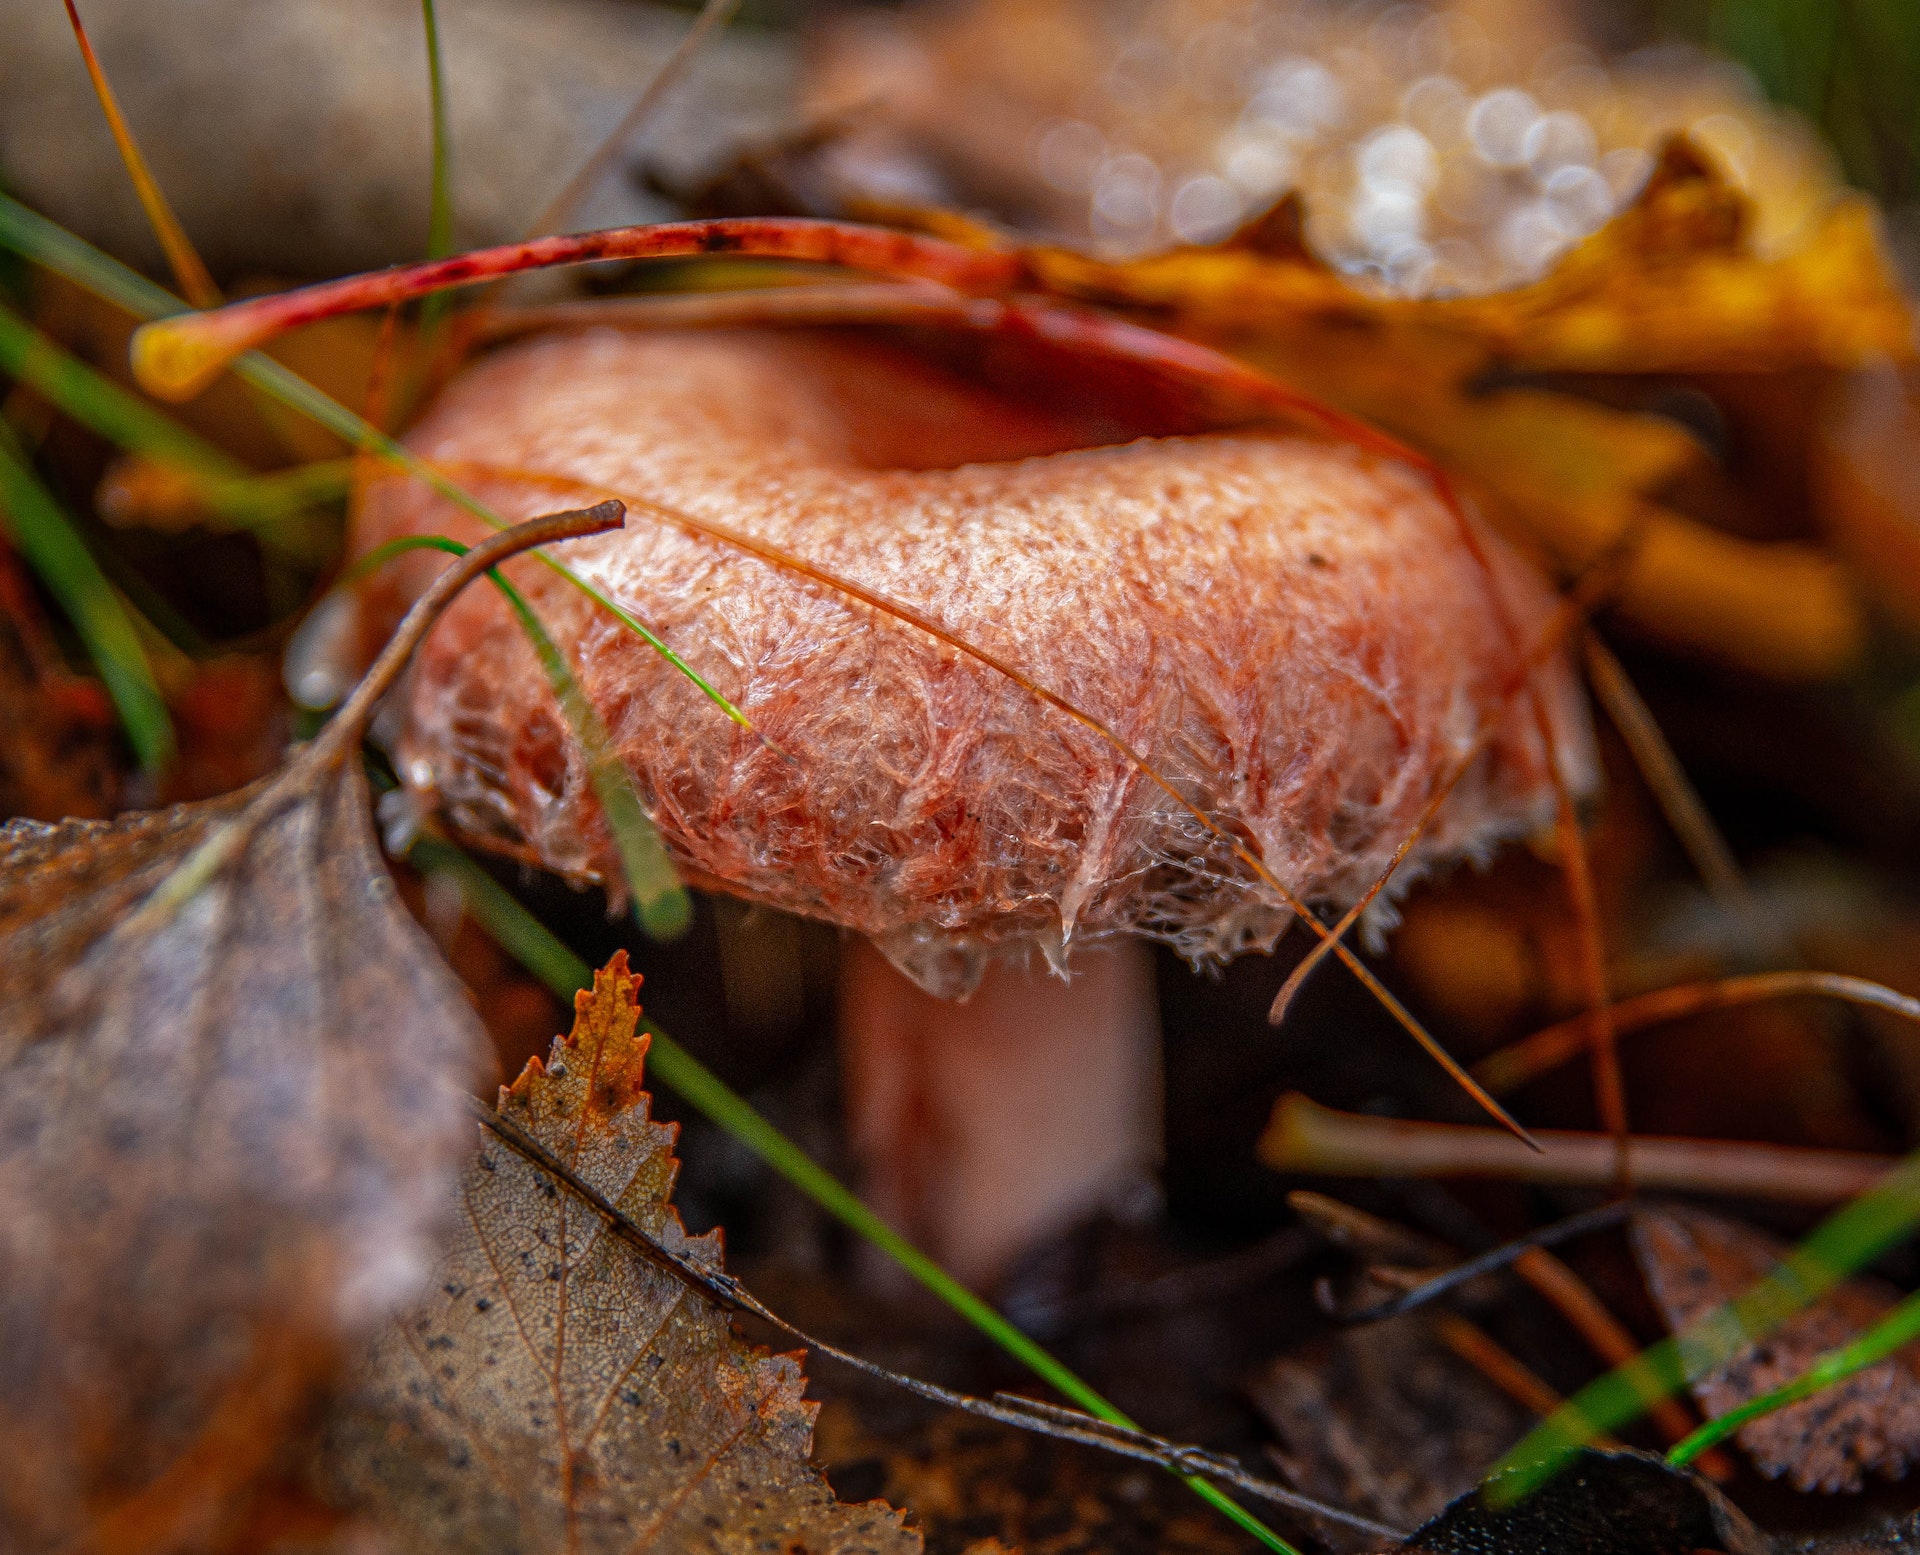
(182, 258)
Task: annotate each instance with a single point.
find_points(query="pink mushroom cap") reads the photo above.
(1289, 630)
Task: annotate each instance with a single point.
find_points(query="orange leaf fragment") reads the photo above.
(556, 1392)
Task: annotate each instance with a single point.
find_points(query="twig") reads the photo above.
(714, 15)
(1306, 1137)
(1504, 1370)
(1605, 1335)
(1513, 1066)
(1024, 1414)
(1486, 1263)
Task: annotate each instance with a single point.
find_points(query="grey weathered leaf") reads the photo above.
(555, 1392)
(230, 1114)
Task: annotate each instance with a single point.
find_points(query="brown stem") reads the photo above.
(1306, 1137)
(1661, 769)
(1504, 1370)
(350, 723)
(1514, 1066)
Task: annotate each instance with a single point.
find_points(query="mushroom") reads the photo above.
(1030, 686)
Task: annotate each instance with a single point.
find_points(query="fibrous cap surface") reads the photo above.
(1291, 631)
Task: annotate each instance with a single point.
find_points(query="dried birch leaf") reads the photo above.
(1384, 1421)
(230, 1112)
(558, 1393)
(1693, 1262)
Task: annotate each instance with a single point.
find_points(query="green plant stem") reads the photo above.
(102, 406)
(46, 537)
(440, 211)
(528, 940)
(1853, 1236)
(434, 310)
(1897, 1329)
(659, 900)
(230, 491)
(32, 236)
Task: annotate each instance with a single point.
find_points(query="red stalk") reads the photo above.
(176, 358)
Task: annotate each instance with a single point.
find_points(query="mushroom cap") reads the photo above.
(1291, 631)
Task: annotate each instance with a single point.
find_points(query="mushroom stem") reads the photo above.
(985, 1125)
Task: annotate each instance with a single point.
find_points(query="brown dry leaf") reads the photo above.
(231, 1075)
(1694, 1261)
(558, 1393)
(1670, 286)
(1384, 1421)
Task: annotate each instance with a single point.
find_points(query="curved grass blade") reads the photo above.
(45, 536)
(528, 940)
(659, 900)
(1895, 1331)
(33, 237)
(1852, 1237)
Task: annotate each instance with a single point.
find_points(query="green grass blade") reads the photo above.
(32, 236)
(101, 405)
(1895, 1331)
(1848, 1239)
(46, 243)
(231, 492)
(659, 900)
(529, 942)
(45, 536)
(440, 208)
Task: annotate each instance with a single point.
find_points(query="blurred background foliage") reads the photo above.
(1851, 66)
